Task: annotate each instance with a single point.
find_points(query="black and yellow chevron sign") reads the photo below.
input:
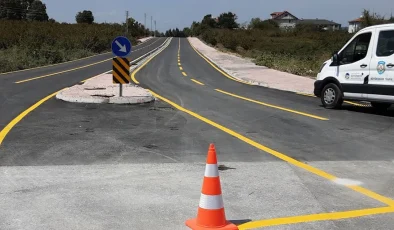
(121, 70)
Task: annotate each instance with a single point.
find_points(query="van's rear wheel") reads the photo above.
(331, 96)
(380, 105)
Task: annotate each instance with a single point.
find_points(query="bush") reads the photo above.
(300, 51)
(29, 44)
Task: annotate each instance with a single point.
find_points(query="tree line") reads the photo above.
(226, 20)
(30, 10)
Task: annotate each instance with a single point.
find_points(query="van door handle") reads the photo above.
(390, 65)
(363, 65)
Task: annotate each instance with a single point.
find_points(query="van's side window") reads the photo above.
(385, 43)
(356, 50)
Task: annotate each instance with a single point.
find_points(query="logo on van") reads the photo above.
(347, 76)
(381, 67)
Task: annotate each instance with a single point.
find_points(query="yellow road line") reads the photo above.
(17, 119)
(348, 102)
(306, 94)
(184, 74)
(142, 66)
(273, 106)
(214, 66)
(315, 217)
(356, 104)
(39, 67)
(65, 71)
(194, 80)
(180, 68)
(179, 63)
(277, 154)
(373, 195)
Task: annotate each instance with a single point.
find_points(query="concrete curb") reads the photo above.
(245, 80)
(66, 96)
(71, 94)
(229, 72)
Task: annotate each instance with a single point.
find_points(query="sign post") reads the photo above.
(121, 48)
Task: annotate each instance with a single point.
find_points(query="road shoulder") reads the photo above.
(245, 70)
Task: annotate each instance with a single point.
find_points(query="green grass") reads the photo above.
(30, 44)
(296, 52)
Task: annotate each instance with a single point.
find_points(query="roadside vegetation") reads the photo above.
(29, 38)
(300, 51)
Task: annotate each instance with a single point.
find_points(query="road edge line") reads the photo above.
(4, 132)
(277, 154)
(273, 106)
(220, 70)
(315, 217)
(80, 59)
(133, 78)
(17, 119)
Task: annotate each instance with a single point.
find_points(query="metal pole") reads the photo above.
(155, 28)
(126, 33)
(145, 24)
(151, 26)
(127, 22)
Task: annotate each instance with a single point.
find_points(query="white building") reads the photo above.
(286, 20)
(355, 25)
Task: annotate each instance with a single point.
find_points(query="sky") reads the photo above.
(181, 13)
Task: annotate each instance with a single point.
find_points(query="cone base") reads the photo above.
(192, 223)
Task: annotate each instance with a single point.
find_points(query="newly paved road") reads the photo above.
(139, 167)
(16, 97)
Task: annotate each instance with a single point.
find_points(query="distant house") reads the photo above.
(355, 25)
(287, 20)
(284, 19)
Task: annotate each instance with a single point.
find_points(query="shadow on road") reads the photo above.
(370, 110)
(239, 222)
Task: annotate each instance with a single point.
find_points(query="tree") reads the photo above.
(228, 21)
(11, 9)
(85, 16)
(209, 21)
(370, 20)
(37, 11)
(51, 20)
(15, 9)
(391, 19)
(257, 23)
(187, 31)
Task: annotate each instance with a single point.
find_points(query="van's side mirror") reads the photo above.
(335, 59)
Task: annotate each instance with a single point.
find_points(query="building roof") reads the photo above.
(276, 15)
(357, 20)
(317, 22)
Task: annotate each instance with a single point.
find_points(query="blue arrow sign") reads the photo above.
(121, 46)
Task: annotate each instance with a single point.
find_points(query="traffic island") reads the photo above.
(101, 90)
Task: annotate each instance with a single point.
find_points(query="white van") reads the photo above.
(363, 70)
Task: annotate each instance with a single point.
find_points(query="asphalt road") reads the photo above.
(140, 167)
(15, 98)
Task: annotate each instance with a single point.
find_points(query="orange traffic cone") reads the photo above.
(211, 213)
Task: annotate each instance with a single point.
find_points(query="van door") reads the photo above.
(381, 80)
(353, 66)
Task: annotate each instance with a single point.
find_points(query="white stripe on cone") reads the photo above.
(211, 202)
(211, 170)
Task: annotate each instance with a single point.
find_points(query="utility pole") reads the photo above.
(127, 22)
(151, 20)
(155, 28)
(145, 24)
